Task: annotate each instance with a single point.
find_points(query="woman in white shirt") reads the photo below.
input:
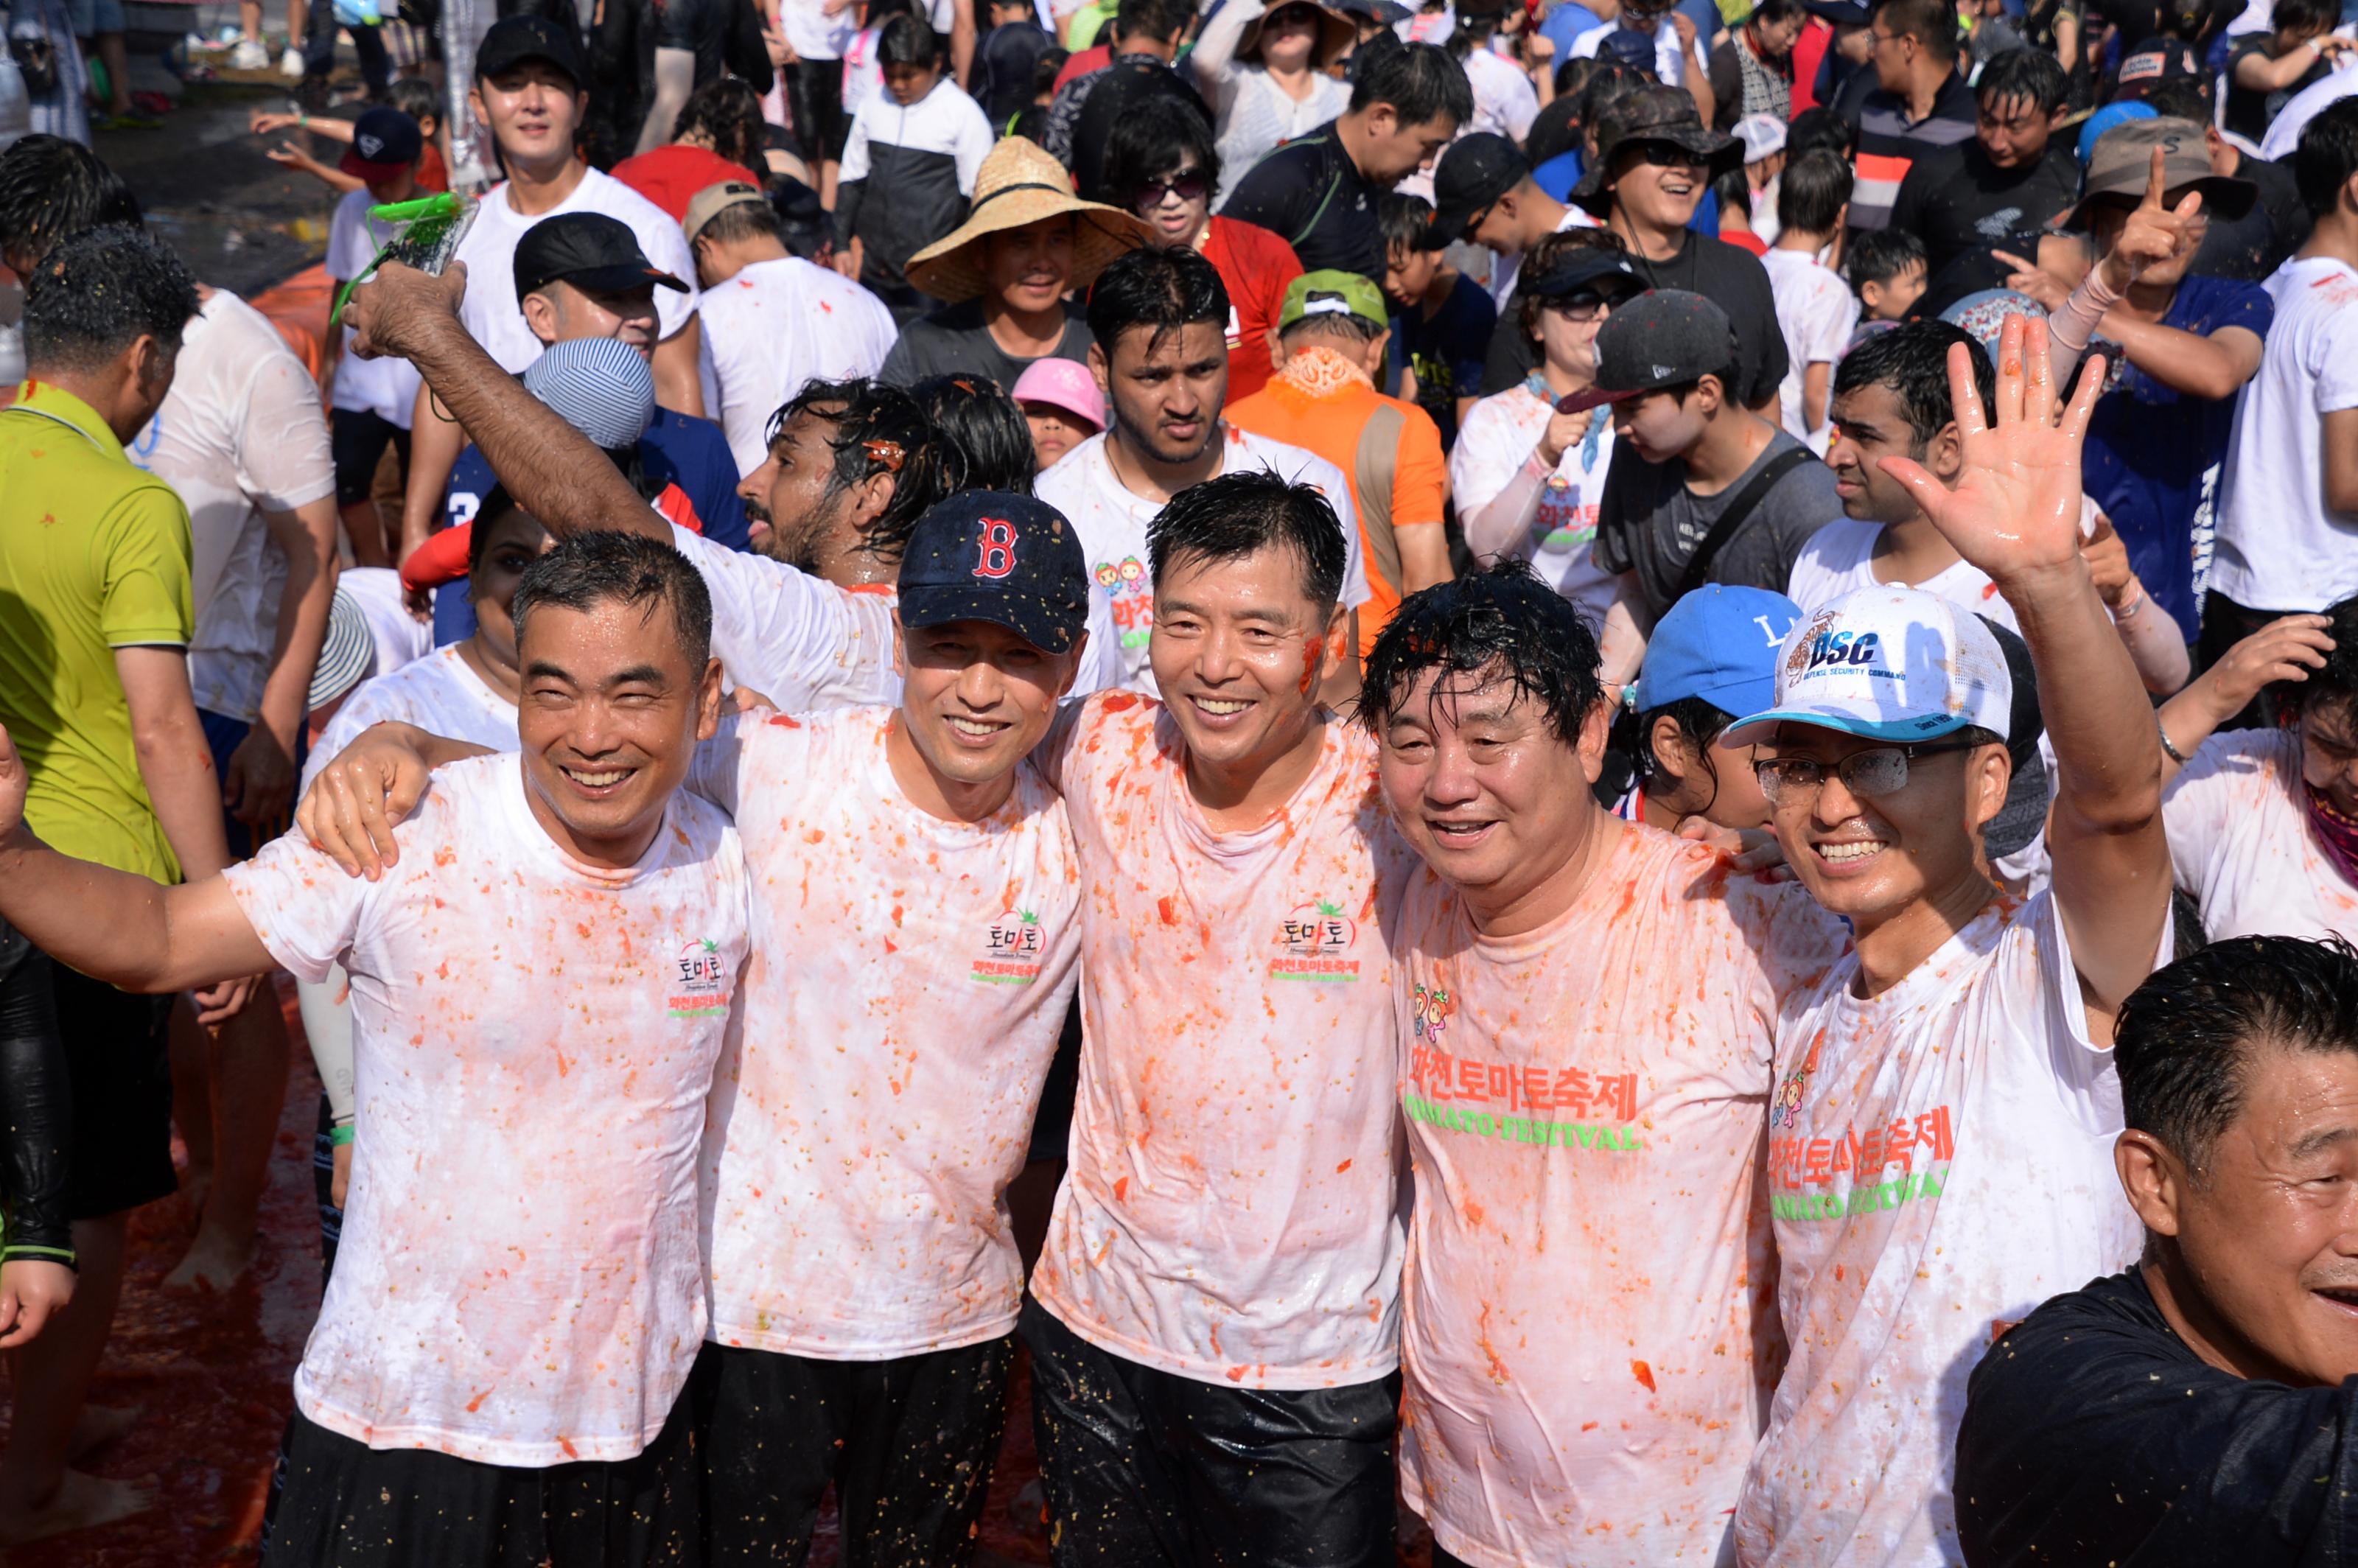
(1527, 472)
(1263, 71)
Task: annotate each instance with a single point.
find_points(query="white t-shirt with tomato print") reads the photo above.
(1111, 520)
(520, 1281)
(1232, 1212)
(912, 975)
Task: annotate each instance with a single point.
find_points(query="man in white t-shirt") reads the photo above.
(1940, 1141)
(1891, 400)
(2289, 519)
(1587, 1011)
(498, 1364)
(1160, 321)
(773, 322)
(530, 89)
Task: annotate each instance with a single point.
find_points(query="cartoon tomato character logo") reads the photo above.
(1431, 1010)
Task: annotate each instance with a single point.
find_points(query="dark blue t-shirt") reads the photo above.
(2153, 455)
(1447, 351)
(676, 450)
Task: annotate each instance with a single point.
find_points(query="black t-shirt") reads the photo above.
(2250, 109)
(1311, 195)
(2251, 247)
(1651, 523)
(1965, 207)
(1003, 58)
(2093, 1434)
(1731, 278)
(956, 341)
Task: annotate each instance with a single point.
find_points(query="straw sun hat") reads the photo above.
(1337, 33)
(1019, 183)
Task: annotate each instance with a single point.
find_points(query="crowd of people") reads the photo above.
(1589, 765)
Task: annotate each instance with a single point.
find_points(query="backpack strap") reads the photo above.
(1373, 473)
(1739, 510)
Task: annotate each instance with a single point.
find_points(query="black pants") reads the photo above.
(346, 1505)
(815, 104)
(118, 1055)
(908, 1442)
(1147, 1469)
(357, 440)
(319, 29)
(36, 1101)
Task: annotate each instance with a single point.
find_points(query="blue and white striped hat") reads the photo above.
(603, 388)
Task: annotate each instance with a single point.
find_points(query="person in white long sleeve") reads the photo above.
(1263, 71)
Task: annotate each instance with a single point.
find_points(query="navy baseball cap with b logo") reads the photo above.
(993, 555)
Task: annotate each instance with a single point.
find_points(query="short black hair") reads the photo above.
(1776, 11)
(1818, 128)
(1503, 616)
(1613, 80)
(2185, 1034)
(2182, 98)
(1407, 224)
(99, 292)
(2334, 689)
(1151, 18)
(1878, 255)
(1932, 23)
(607, 567)
(1572, 76)
(1812, 191)
(1912, 359)
(417, 98)
(1420, 81)
(742, 220)
(1149, 140)
(2031, 73)
(989, 438)
(878, 430)
(2311, 15)
(907, 40)
(51, 188)
(1347, 325)
(1699, 719)
(2325, 159)
(1245, 512)
(1163, 290)
(727, 112)
(1734, 189)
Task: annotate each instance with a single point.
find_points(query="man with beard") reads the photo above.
(1160, 320)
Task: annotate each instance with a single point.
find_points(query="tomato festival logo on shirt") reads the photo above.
(1133, 599)
(1314, 941)
(1835, 1178)
(702, 982)
(1433, 1010)
(1011, 950)
(1515, 1102)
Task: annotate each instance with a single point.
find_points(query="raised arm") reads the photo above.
(354, 802)
(2016, 515)
(2283, 650)
(117, 927)
(549, 466)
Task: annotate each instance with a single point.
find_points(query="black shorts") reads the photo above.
(357, 440)
(224, 735)
(1147, 1469)
(908, 1442)
(118, 1056)
(1052, 1124)
(346, 1505)
(815, 102)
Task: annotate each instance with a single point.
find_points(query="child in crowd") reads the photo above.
(909, 166)
(1062, 404)
(1886, 269)
(414, 96)
(1817, 312)
(1445, 318)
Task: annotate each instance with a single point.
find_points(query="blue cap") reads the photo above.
(603, 388)
(2092, 129)
(1002, 558)
(1719, 643)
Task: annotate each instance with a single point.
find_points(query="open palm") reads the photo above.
(2014, 509)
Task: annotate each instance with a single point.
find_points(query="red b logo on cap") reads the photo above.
(998, 548)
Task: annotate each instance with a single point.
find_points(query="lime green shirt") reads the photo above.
(93, 557)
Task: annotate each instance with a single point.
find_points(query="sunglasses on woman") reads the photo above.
(1187, 186)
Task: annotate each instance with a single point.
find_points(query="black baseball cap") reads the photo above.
(1585, 269)
(996, 557)
(2156, 64)
(1663, 338)
(514, 40)
(588, 249)
(1470, 178)
(384, 142)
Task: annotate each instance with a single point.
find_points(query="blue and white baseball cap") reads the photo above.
(1889, 664)
(1720, 644)
(603, 388)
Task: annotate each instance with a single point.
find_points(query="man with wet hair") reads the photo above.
(1586, 1010)
(2199, 1408)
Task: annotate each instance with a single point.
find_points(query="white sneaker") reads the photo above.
(290, 64)
(249, 55)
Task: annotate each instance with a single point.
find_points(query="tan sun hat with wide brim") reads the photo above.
(1019, 183)
(1336, 33)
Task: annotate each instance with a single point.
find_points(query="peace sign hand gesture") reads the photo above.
(2155, 234)
(2015, 510)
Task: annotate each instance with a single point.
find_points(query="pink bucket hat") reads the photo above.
(1062, 383)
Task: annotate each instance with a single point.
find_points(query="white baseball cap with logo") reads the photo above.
(1895, 665)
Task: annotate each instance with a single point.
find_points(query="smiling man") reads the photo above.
(1586, 1010)
(1940, 1141)
(575, 972)
(917, 894)
(2198, 1408)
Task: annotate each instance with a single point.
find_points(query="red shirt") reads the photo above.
(1809, 50)
(1744, 241)
(433, 174)
(1096, 58)
(670, 176)
(1255, 266)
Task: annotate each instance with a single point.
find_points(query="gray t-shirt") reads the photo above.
(953, 341)
(1649, 522)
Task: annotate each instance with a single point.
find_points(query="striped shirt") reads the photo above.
(1888, 143)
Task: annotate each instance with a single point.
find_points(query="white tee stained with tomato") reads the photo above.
(520, 1281)
(1232, 1209)
(1940, 1163)
(2241, 846)
(909, 979)
(1588, 1308)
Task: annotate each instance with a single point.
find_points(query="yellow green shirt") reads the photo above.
(93, 557)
